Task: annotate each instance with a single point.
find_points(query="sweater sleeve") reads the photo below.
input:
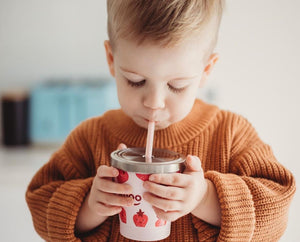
(56, 192)
(256, 192)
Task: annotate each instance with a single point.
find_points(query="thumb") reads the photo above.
(193, 164)
(121, 146)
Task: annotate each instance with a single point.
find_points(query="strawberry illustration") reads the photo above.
(143, 177)
(122, 177)
(160, 222)
(140, 219)
(122, 215)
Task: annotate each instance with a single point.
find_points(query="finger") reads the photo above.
(112, 187)
(107, 171)
(121, 146)
(172, 179)
(166, 215)
(114, 199)
(163, 204)
(106, 210)
(193, 164)
(173, 193)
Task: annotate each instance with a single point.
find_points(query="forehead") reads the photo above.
(154, 59)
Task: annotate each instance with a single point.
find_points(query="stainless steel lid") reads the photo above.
(133, 160)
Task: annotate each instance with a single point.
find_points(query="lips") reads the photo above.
(148, 120)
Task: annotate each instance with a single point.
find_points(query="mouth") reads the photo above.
(136, 204)
(147, 120)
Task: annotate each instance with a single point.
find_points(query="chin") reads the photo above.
(141, 123)
(163, 126)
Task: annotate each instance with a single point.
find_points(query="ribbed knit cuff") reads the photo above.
(64, 207)
(237, 207)
(206, 232)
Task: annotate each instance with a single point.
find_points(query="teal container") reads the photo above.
(57, 108)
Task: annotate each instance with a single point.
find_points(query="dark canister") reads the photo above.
(15, 118)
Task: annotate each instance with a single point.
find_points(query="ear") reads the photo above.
(208, 68)
(109, 57)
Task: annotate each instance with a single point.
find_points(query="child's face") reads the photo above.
(155, 83)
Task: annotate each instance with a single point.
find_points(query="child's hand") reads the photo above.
(103, 200)
(104, 196)
(175, 195)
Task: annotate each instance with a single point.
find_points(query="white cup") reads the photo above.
(139, 222)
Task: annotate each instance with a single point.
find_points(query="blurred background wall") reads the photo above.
(43, 39)
(257, 74)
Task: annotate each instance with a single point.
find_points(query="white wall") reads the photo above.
(257, 75)
(43, 39)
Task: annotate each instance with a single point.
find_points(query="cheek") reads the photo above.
(180, 108)
(182, 104)
(122, 94)
(127, 100)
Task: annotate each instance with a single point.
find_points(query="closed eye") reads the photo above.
(136, 84)
(142, 83)
(175, 90)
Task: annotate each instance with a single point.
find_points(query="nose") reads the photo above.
(154, 99)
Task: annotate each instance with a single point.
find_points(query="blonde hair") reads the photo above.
(166, 22)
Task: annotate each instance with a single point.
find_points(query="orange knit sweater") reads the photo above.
(254, 190)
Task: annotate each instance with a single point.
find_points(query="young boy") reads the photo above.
(160, 53)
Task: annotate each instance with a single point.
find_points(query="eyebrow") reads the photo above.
(173, 79)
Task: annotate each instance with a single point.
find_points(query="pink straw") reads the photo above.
(149, 144)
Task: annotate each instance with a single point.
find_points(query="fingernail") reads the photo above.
(145, 195)
(115, 172)
(152, 178)
(129, 202)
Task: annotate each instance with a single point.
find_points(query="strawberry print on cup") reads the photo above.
(143, 177)
(122, 177)
(140, 219)
(160, 222)
(123, 216)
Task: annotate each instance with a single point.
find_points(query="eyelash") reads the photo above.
(141, 83)
(136, 84)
